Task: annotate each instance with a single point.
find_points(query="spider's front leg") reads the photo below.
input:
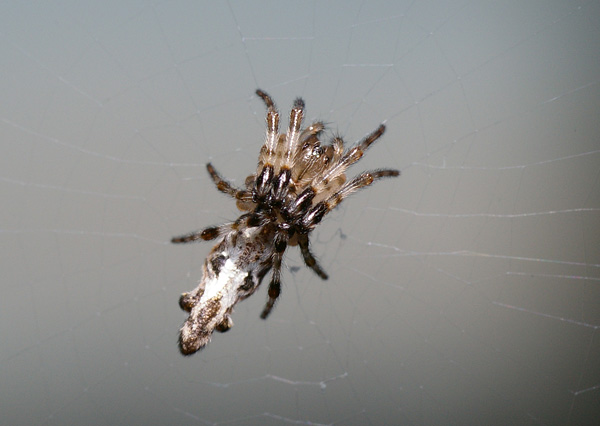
(316, 213)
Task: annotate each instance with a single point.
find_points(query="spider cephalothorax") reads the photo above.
(297, 182)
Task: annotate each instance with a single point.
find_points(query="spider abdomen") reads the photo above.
(232, 271)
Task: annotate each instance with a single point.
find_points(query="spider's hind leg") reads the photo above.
(275, 284)
(274, 292)
(308, 257)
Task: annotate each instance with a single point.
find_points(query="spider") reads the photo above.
(297, 182)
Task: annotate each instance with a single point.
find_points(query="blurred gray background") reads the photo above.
(467, 291)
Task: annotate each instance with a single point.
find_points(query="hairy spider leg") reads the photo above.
(225, 187)
(275, 284)
(309, 259)
(363, 180)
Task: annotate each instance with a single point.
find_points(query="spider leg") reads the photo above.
(358, 151)
(225, 187)
(275, 284)
(334, 176)
(285, 152)
(212, 232)
(206, 234)
(267, 154)
(319, 210)
(309, 259)
(360, 181)
(274, 292)
(266, 99)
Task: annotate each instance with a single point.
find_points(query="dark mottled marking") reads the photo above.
(224, 325)
(248, 283)
(254, 220)
(217, 263)
(187, 302)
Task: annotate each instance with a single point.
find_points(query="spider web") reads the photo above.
(467, 291)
